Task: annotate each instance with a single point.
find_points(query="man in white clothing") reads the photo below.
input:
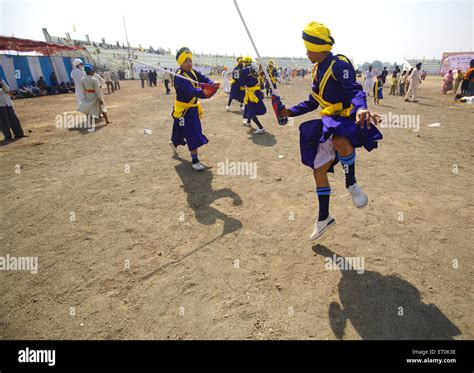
(77, 74)
(415, 80)
(108, 81)
(226, 78)
(369, 75)
(92, 103)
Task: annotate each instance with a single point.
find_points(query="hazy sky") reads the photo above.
(364, 30)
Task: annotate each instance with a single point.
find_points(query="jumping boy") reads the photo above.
(345, 122)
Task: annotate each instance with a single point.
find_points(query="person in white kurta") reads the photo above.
(76, 75)
(92, 101)
(415, 81)
(369, 76)
(226, 78)
(101, 83)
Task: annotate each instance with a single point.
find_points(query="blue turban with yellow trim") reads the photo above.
(183, 54)
(317, 37)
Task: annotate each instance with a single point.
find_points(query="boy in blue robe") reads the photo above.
(345, 122)
(187, 110)
(237, 92)
(378, 90)
(253, 98)
(272, 73)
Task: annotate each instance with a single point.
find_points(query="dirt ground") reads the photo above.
(164, 252)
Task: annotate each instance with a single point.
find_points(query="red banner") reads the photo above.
(26, 45)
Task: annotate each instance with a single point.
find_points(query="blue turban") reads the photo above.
(88, 68)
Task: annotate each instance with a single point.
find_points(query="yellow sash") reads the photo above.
(270, 73)
(250, 94)
(328, 109)
(180, 107)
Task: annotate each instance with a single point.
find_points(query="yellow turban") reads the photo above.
(247, 60)
(183, 54)
(317, 37)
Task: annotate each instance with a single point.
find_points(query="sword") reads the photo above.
(208, 89)
(276, 102)
(166, 71)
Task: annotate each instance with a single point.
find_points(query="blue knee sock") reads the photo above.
(323, 198)
(348, 164)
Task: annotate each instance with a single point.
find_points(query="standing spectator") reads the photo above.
(142, 76)
(9, 122)
(154, 78)
(394, 86)
(402, 83)
(414, 80)
(383, 75)
(116, 80)
(150, 78)
(54, 82)
(457, 81)
(369, 75)
(407, 80)
(108, 81)
(447, 82)
(166, 81)
(226, 79)
(76, 75)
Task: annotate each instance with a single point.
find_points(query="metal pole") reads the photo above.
(128, 46)
(267, 76)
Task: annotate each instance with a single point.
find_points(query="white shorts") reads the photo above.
(326, 154)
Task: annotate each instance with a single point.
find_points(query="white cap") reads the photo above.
(77, 62)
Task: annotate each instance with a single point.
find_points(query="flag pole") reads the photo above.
(128, 46)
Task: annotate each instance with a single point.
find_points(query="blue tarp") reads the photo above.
(68, 65)
(22, 70)
(47, 68)
(2, 74)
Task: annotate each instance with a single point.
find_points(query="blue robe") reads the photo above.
(249, 78)
(378, 89)
(236, 93)
(273, 74)
(188, 130)
(341, 87)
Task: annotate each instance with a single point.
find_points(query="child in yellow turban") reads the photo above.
(187, 110)
(345, 122)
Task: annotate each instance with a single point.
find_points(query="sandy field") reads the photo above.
(132, 243)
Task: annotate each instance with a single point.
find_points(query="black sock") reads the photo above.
(324, 194)
(230, 101)
(195, 158)
(348, 164)
(257, 122)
